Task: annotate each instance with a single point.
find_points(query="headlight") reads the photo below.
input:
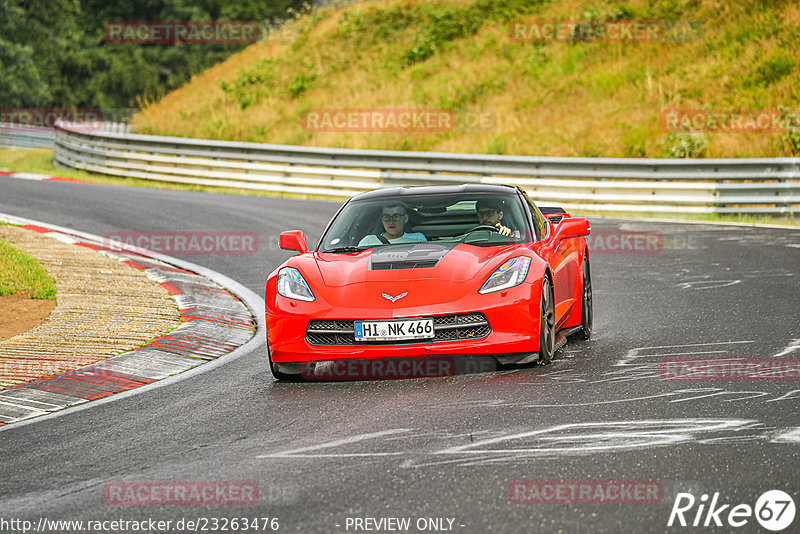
(510, 274)
(292, 285)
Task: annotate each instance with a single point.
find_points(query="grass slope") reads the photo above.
(556, 98)
(21, 274)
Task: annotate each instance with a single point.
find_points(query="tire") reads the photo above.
(547, 333)
(587, 305)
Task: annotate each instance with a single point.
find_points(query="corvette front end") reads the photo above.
(469, 324)
(420, 273)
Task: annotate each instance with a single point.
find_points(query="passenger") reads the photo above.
(490, 213)
(394, 218)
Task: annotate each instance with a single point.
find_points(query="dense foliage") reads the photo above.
(53, 53)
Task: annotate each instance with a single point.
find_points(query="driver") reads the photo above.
(394, 218)
(490, 213)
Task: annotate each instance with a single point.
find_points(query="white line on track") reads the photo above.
(297, 453)
(792, 436)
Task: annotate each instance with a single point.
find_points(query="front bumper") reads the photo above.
(512, 317)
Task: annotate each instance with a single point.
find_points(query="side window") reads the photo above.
(539, 222)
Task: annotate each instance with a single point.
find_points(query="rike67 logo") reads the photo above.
(774, 510)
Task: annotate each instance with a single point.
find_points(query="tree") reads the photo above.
(53, 52)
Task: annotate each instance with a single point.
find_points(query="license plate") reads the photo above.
(394, 330)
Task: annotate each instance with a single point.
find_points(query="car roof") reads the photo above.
(394, 192)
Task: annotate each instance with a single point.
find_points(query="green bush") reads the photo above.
(443, 27)
(497, 146)
(446, 24)
(608, 13)
(376, 25)
(634, 141)
(791, 140)
(251, 83)
(686, 145)
(301, 83)
(774, 68)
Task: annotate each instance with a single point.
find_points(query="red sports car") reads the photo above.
(441, 271)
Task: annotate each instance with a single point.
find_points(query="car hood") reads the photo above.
(350, 281)
(448, 262)
(419, 274)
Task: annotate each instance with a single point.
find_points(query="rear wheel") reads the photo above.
(547, 333)
(587, 308)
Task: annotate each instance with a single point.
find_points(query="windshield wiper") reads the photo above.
(347, 249)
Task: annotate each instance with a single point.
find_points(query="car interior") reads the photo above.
(444, 219)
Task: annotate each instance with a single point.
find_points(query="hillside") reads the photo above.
(504, 84)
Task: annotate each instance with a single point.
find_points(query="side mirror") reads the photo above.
(572, 227)
(293, 240)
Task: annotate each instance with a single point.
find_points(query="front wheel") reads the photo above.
(547, 333)
(587, 308)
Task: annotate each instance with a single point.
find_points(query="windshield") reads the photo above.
(479, 219)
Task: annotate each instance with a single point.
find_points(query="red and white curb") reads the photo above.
(36, 176)
(215, 323)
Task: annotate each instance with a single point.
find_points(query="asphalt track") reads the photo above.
(450, 447)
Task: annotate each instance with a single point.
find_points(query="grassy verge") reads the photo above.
(21, 274)
(41, 161)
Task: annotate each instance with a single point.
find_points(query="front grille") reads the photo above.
(445, 327)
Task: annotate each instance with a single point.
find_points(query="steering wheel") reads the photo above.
(485, 227)
(480, 227)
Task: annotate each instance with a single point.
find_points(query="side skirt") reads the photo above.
(562, 335)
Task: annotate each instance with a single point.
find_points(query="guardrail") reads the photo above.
(632, 185)
(13, 135)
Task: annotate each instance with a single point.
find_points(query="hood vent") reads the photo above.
(408, 256)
